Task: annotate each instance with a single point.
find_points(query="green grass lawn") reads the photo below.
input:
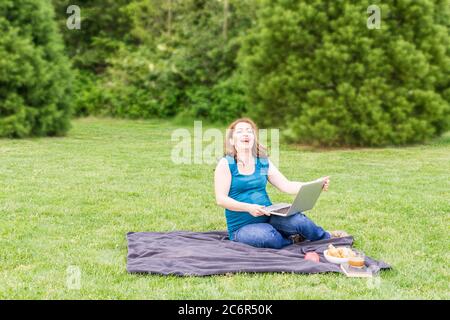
(70, 202)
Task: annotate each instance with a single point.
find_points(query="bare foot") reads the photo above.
(338, 234)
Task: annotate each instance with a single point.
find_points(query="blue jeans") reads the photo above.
(275, 233)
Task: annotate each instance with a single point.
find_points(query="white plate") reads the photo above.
(334, 259)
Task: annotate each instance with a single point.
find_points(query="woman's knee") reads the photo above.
(307, 228)
(299, 221)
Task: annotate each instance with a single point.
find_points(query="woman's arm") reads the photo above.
(222, 182)
(278, 180)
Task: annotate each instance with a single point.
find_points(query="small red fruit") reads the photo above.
(312, 256)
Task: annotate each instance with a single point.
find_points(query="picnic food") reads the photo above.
(356, 261)
(340, 252)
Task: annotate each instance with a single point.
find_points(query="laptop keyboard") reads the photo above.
(282, 210)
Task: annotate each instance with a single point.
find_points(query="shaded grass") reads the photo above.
(70, 202)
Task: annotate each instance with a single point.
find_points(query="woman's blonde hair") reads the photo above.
(258, 150)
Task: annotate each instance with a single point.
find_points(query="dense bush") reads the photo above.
(34, 74)
(89, 96)
(104, 27)
(144, 84)
(223, 102)
(183, 67)
(315, 68)
(140, 85)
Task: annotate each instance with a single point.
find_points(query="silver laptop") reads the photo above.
(305, 200)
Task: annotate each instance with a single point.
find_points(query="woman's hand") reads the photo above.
(257, 210)
(326, 183)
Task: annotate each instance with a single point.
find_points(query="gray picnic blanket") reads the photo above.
(206, 253)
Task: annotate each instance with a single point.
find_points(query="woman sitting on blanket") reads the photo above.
(240, 185)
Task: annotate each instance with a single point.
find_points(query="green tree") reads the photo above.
(35, 75)
(316, 69)
(184, 62)
(104, 27)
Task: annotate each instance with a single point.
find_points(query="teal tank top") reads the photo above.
(247, 188)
